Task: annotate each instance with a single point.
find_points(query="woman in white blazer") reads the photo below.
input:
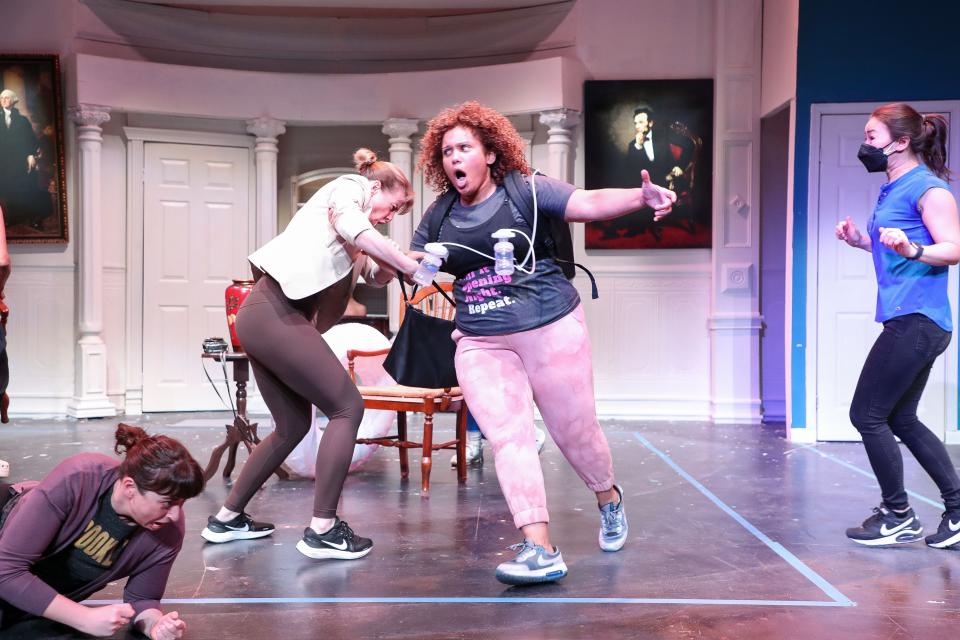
(305, 277)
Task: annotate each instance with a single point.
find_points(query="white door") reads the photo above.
(847, 287)
(196, 239)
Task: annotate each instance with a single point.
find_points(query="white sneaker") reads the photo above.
(474, 449)
(541, 439)
(4, 469)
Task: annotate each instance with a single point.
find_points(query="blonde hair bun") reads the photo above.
(363, 159)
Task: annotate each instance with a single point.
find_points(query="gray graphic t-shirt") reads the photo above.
(489, 304)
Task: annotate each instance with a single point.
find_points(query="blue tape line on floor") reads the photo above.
(869, 474)
(777, 548)
(496, 600)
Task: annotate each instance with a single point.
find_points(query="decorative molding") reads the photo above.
(402, 128)
(736, 276)
(735, 322)
(172, 136)
(633, 270)
(266, 128)
(560, 121)
(89, 115)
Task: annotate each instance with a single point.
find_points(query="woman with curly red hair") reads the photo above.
(522, 338)
(94, 520)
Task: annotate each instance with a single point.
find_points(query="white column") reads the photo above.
(90, 392)
(735, 320)
(266, 130)
(400, 132)
(559, 124)
(527, 137)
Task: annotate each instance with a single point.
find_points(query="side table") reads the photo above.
(240, 430)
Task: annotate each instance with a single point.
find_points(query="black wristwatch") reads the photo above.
(919, 248)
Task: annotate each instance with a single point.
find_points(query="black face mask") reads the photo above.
(873, 158)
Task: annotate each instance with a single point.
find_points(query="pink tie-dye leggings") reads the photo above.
(502, 376)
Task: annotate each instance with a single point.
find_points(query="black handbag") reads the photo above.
(422, 351)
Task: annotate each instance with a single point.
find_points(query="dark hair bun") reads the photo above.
(127, 435)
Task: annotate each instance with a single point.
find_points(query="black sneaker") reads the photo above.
(886, 527)
(242, 527)
(948, 534)
(340, 543)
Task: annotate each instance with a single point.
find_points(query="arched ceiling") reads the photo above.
(349, 8)
(327, 36)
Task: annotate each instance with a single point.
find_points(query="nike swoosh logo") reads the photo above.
(342, 546)
(886, 532)
(541, 563)
(953, 527)
(245, 527)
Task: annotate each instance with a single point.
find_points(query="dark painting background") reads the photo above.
(683, 113)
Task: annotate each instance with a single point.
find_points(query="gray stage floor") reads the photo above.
(734, 533)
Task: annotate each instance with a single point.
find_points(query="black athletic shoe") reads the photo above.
(886, 527)
(340, 543)
(242, 527)
(948, 534)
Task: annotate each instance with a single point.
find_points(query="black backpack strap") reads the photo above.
(438, 212)
(594, 291)
(554, 234)
(406, 300)
(522, 198)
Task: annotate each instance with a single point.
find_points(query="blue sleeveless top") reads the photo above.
(907, 286)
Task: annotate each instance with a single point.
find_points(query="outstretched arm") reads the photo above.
(604, 204)
(385, 252)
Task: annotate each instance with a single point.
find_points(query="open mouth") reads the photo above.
(459, 178)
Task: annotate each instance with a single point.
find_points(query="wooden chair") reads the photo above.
(4, 399)
(426, 401)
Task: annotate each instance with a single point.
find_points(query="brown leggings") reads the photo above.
(294, 368)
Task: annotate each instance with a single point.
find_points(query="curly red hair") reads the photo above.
(492, 129)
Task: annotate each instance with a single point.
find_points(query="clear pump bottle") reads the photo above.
(503, 252)
(436, 253)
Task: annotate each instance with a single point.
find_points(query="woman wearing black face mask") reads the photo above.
(914, 236)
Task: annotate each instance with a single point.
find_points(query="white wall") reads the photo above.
(779, 83)
(41, 289)
(649, 328)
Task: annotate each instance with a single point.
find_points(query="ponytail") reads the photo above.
(931, 146)
(928, 134)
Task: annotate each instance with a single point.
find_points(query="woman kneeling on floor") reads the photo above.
(92, 521)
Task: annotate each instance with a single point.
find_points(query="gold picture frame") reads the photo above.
(32, 175)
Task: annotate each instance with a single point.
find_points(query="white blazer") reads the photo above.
(311, 254)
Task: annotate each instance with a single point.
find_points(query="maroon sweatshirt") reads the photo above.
(53, 513)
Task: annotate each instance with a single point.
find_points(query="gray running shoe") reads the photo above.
(613, 524)
(474, 450)
(533, 565)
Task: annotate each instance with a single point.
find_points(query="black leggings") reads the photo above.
(294, 368)
(885, 405)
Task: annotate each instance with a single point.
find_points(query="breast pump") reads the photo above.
(503, 259)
